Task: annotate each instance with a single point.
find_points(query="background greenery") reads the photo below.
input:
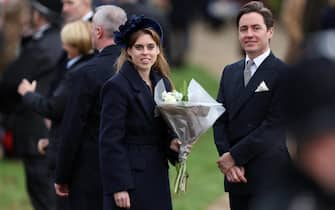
(205, 182)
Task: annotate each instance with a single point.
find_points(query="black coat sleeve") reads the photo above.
(220, 138)
(114, 157)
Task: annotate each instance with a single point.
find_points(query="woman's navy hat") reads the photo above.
(133, 24)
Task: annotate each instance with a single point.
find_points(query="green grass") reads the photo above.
(205, 182)
(12, 190)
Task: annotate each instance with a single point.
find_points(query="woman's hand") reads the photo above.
(122, 199)
(175, 145)
(25, 86)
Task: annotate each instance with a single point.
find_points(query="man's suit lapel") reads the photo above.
(263, 72)
(142, 93)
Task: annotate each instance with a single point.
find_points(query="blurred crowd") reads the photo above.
(17, 26)
(36, 45)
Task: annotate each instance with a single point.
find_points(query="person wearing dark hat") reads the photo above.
(134, 142)
(309, 110)
(49, 9)
(36, 61)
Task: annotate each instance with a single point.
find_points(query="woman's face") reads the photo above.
(72, 52)
(144, 52)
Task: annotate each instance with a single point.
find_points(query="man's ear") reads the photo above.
(99, 31)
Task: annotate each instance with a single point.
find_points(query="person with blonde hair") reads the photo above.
(76, 40)
(77, 35)
(78, 174)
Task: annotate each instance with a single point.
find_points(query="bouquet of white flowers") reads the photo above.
(188, 119)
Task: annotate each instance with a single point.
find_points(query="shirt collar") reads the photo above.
(259, 59)
(87, 16)
(72, 61)
(39, 33)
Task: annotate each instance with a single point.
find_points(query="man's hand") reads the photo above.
(42, 145)
(25, 86)
(236, 174)
(225, 162)
(122, 199)
(62, 190)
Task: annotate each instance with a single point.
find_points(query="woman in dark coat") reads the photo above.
(76, 39)
(134, 141)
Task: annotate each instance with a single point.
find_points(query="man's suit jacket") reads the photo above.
(77, 159)
(133, 142)
(251, 128)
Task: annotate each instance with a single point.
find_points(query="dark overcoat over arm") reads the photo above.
(53, 107)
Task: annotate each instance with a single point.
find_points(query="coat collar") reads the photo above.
(262, 74)
(142, 92)
(111, 49)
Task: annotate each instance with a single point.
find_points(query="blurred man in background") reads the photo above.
(77, 9)
(309, 182)
(36, 61)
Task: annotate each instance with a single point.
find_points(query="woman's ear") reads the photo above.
(128, 53)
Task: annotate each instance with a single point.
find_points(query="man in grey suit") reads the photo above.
(249, 135)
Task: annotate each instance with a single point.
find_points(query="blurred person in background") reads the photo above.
(309, 182)
(16, 15)
(2, 11)
(36, 61)
(181, 15)
(77, 167)
(249, 136)
(77, 9)
(76, 40)
(72, 10)
(292, 18)
(301, 19)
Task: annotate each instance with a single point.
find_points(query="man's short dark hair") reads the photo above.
(258, 7)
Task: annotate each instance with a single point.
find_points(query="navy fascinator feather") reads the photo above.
(133, 24)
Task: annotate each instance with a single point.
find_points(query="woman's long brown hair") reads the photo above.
(161, 63)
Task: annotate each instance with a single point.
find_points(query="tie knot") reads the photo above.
(249, 64)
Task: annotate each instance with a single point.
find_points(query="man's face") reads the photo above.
(73, 10)
(254, 36)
